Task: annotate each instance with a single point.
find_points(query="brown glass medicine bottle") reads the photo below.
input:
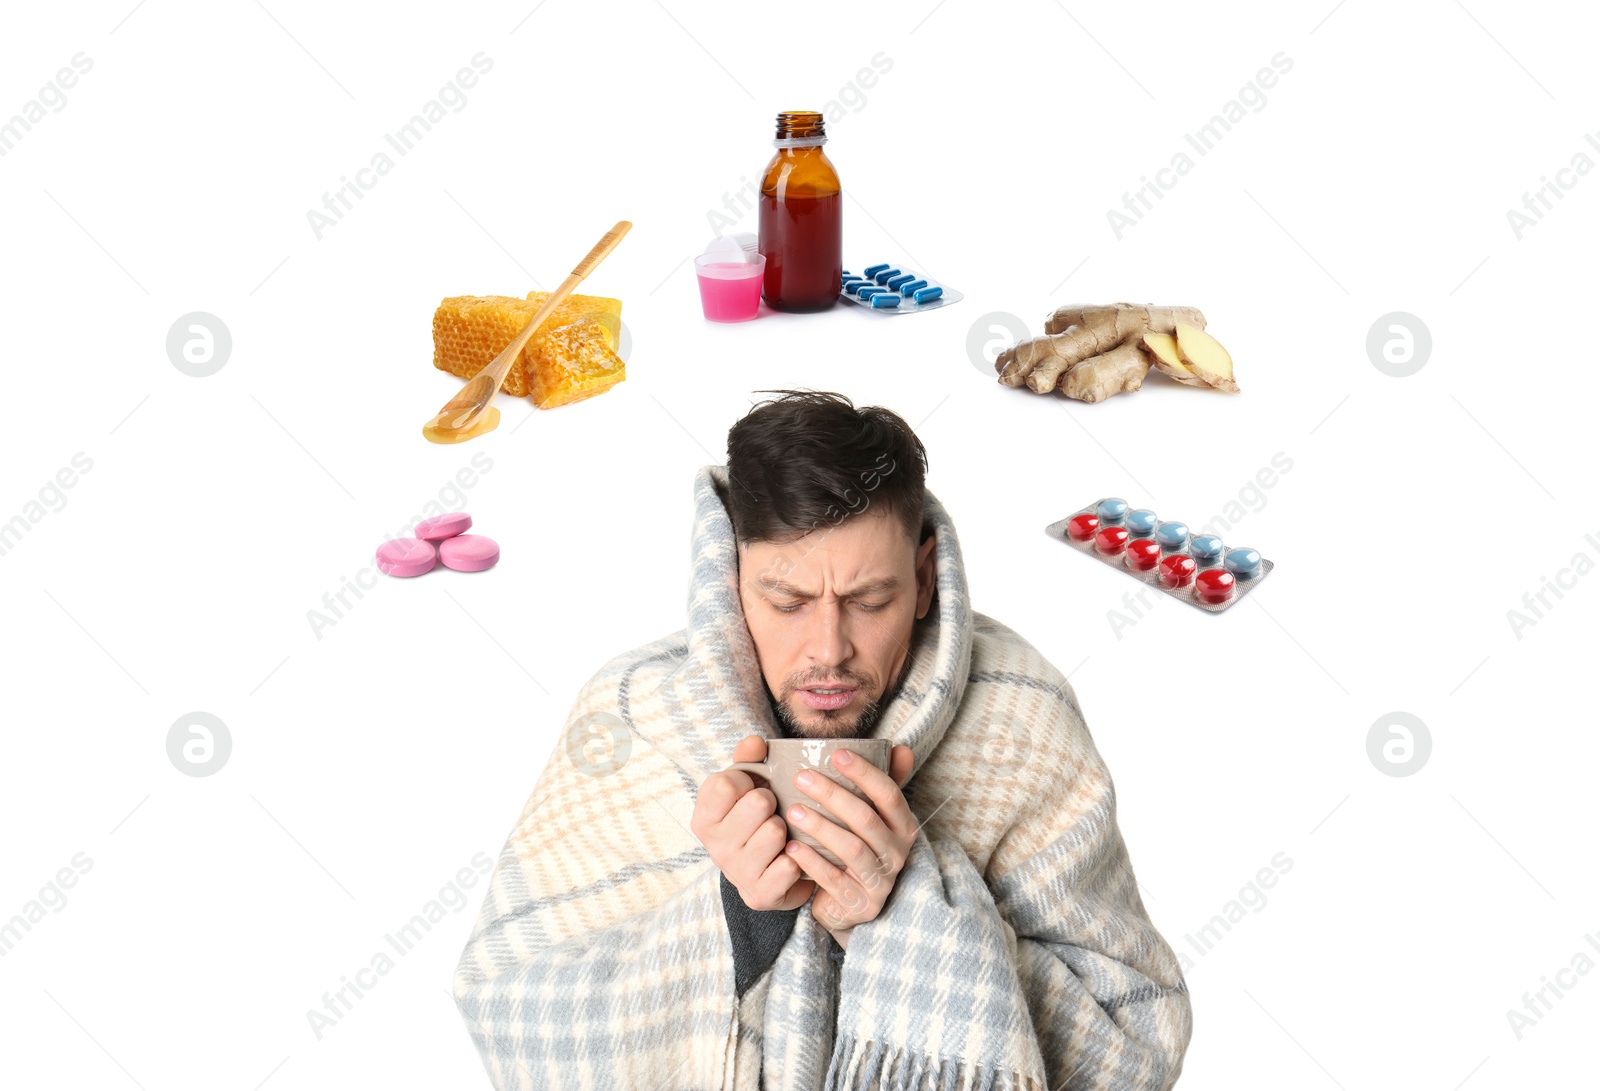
(801, 230)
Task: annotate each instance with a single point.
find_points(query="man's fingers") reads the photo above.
(900, 761)
(854, 818)
(883, 789)
(800, 892)
(835, 881)
(722, 791)
(747, 815)
(882, 815)
(765, 840)
(751, 748)
(858, 855)
(781, 883)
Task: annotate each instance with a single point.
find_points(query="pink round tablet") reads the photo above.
(443, 526)
(406, 557)
(469, 552)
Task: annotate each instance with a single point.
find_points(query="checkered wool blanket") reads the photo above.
(1013, 954)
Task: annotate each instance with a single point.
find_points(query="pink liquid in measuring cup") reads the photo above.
(730, 291)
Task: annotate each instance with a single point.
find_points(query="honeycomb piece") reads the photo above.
(572, 362)
(607, 312)
(470, 331)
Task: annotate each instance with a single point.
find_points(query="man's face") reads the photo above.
(831, 617)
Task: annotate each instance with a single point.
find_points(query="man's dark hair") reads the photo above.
(808, 459)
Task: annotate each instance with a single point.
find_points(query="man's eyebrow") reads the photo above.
(883, 586)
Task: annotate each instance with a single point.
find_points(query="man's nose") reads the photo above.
(829, 639)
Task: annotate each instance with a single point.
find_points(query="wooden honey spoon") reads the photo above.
(469, 413)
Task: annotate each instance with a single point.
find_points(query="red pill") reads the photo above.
(1080, 528)
(1213, 585)
(1111, 540)
(1143, 554)
(1177, 571)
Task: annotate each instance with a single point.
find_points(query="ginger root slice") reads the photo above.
(1158, 319)
(1162, 349)
(1118, 371)
(1205, 356)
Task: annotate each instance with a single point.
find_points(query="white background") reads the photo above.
(372, 762)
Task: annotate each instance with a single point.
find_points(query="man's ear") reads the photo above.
(926, 574)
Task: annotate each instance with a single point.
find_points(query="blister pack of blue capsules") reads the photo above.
(887, 288)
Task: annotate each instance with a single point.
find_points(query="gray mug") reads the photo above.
(786, 757)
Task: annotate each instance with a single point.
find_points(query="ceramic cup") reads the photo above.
(786, 757)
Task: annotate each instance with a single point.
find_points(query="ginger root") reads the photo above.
(1097, 378)
(1091, 352)
(1160, 319)
(1074, 334)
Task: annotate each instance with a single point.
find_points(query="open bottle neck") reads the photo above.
(800, 129)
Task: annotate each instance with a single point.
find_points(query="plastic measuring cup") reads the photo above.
(730, 288)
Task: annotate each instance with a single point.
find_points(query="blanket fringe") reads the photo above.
(865, 1065)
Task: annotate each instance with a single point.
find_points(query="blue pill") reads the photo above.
(907, 289)
(1171, 535)
(900, 281)
(882, 276)
(1243, 562)
(1142, 523)
(855, 282)
(1111, 512)
(874, 270)
(1205, 548)
(926, 295)
(886, 299)
(866, 288)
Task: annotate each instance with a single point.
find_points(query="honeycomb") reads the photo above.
(570, 358)
(607, 312)
(573, 362)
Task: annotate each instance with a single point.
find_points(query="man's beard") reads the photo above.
(833, 724)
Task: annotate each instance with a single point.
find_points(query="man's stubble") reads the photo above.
(833, 725)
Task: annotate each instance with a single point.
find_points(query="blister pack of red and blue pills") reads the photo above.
(1199, 569)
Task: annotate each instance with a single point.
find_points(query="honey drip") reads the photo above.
(488, 422)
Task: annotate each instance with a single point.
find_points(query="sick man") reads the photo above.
(650, 925)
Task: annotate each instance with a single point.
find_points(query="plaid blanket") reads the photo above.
(1013, 952)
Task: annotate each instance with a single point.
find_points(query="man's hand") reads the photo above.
(874, 842)
(739, 825)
